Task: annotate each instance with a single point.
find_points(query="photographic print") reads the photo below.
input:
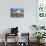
(17, 12)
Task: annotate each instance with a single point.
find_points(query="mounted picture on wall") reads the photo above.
(17, 12)
(41, 8)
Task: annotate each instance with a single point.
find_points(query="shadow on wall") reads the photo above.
(7, 31)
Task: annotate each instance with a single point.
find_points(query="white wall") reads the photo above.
(23, 23)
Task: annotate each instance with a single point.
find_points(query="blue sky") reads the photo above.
(17, 9)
